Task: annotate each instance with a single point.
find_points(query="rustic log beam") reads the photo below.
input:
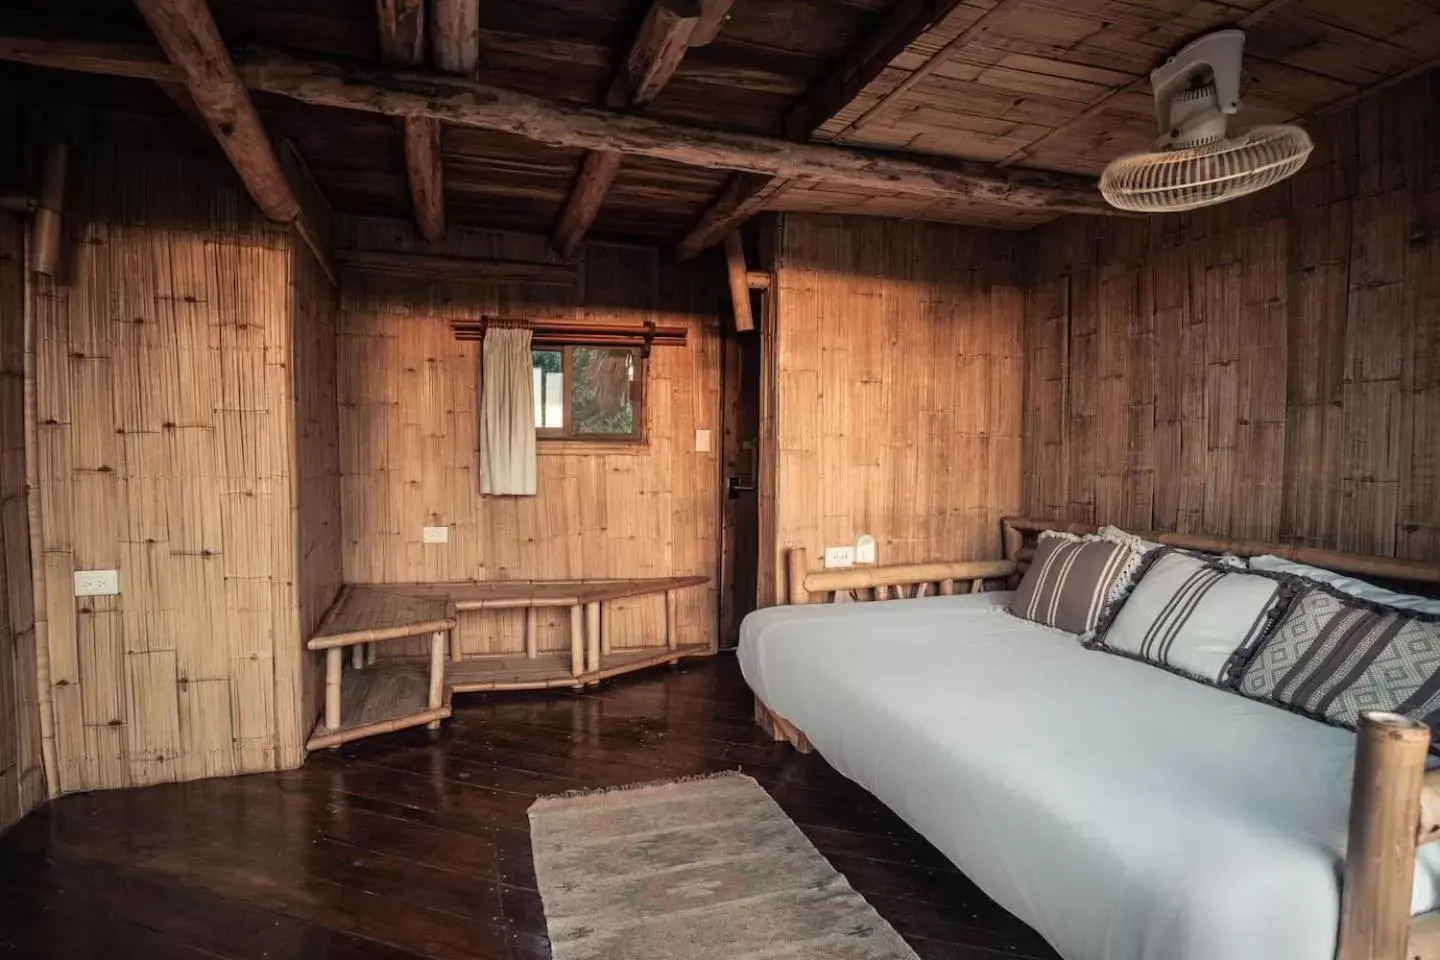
(757, 280)
(455, 35)
(360, 87)
(190, 39)
(743, 197)
(461, 269)
(739, 282)
(402, 42)
(586, 198)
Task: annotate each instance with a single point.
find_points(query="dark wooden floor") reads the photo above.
(415, 845)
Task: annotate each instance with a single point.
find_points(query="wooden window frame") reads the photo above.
(639, 397)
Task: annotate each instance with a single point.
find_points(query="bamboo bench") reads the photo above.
(1395, 801)
(375, 696)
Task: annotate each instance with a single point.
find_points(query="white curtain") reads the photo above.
(507, 413)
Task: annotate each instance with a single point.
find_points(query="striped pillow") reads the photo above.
(1072, 581)
(1334, 656)
(1195, 616)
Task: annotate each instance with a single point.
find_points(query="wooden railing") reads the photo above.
(896, 581)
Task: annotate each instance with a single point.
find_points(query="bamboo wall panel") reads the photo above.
(317, 467)
(1264, 369)
(898, 362)
(22, 780)
(408, 459)
(164, 447)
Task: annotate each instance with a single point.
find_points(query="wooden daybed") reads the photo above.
(377, 696)
(1394, 804)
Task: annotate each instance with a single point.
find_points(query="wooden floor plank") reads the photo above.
(415, 845)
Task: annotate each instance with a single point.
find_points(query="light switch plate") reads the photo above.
(436, 535)
(864, 548)
(702, 441)
(97, 583)
(839, 557)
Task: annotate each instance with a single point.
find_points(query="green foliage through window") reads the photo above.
(590, 393)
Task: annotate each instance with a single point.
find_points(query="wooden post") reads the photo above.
(605, 614)
(531, 644)
(797, 565)
(455, 35)
(592, 634)
(947, 587)
(977, 586)
(739, 282)
(334, 670)
(357, 656)
(45, 229)
(672, 635)
(1012, 539)
(437, 674)
(1380, 855)
(456, 653)
(372, 653)
(577, 641)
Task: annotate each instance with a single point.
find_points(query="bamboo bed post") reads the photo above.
(437, 675)
(592, 635)
(1390, 755)
(577, 640)
(334, 667)
(672, 639)
(797, 564)
(531, 646)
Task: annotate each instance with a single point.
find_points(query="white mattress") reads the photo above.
(1122, 811)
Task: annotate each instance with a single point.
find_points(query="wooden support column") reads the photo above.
(592, 635)
(437, 674)
(607, 611)
(531, 644)
(334, 673)
(739, 282)
(372, 654)
(357, 656)
(577, 641)
(1390, 756)
(672, 631)
(455, 35)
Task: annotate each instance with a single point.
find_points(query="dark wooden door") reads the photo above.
(740, 459)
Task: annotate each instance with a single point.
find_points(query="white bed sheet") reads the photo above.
(1122, 811)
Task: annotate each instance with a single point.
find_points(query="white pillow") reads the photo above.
(1195, 616)
(1346, 585)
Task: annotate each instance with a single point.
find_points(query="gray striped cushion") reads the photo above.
(1071, 582)
(1194, 616)
(1333, 656)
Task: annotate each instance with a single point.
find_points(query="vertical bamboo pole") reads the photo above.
(437, 674)
(531, 641)
(334, 668)
(605, 614)
(455, 652)
(797, 564)
(672, 638)
(372, 653)
(947, 587)
(45, 228)
(592, 634)
(357, 656)
(1380, 854)
(577, 641)
(977, 586)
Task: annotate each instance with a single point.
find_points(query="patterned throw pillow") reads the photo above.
(1334, 656)
(1195, 616)
(1072, 581)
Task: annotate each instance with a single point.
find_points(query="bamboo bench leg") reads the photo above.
(577, 642)
(592, 635)
(334, 668)
(437, 674)
(531, 644)
(672, 637)
(357, 656)
(372, 653)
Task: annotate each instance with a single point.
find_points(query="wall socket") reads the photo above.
(839, 557)
(97, 583)
(435, 535)
(864, 548)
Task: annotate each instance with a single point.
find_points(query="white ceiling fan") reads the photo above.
(1196, 164)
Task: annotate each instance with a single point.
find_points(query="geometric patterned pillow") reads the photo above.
(1072, 581)
(1334, 656)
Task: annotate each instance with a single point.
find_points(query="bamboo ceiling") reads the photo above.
(1007, 85)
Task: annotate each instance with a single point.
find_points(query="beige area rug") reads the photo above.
(700, 868)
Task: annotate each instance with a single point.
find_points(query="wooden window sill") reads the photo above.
(591, 448)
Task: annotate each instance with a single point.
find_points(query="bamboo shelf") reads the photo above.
(381, 698)
(551, 670)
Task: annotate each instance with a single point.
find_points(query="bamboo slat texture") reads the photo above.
(1267, 369)
(22, 781)
(895, 370)
(165, 449)
(407, 393)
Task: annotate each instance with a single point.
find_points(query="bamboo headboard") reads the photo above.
(1018, 536)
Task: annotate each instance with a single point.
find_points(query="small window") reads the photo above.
(588, 393)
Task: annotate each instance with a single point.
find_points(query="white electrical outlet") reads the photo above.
(864, 548)
(97, 583)
(839, 557)
(436, 535)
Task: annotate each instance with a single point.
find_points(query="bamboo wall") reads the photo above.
(22, 780)
(408, 415)
(1269, 368)
(165, 449)
(895, 361)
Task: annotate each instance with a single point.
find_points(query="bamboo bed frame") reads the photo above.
(1395, 802)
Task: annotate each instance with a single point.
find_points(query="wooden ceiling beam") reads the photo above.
(743, 197)
(455, 36)
(353, 86)
(458, 269)
(670, 28)
(402, 43)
